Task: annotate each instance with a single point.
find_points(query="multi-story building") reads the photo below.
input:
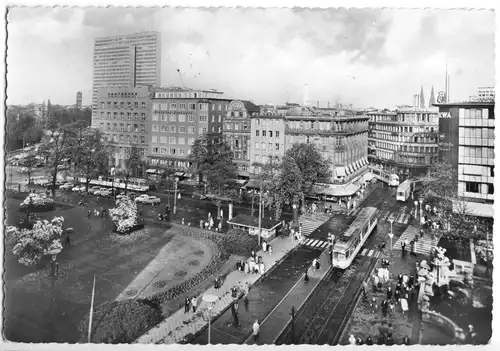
(123, 115)
(267, 140)
(467, 131)
(404, 140)
(180, 116)
(126, 61)
(79, 100)
(236, 132)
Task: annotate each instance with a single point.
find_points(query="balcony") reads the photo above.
(289, 130)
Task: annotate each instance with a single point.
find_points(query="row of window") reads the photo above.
(473, 187)
(127, 95)
(173, 129)
(182, 106)
(474, 113)
(121, 104)
(270, 146)
(125, 150)
(403, 129)
(181, 118)
(268, 133)
(407, 148)
(171, 140)
(170, 151)
(484, 133)
(121, 116)
(124, 127)
(127, 138)
(477, 152)
(402, 139)
(334, 126)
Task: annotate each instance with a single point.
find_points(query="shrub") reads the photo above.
(36, 202)
(120, 321)
(125, 215)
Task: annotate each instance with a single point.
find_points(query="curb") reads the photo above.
(214, 317)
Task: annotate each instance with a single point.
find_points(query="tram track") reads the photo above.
(324, 316)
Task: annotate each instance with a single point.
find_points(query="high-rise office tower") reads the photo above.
(129, 60)
(78, 99)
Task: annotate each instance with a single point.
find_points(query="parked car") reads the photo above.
(67, 186)
(94, 190)
(199, 196)
(79, 188)
(40, 180)
(146, 199)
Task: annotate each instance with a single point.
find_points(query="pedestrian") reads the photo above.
(89, 213)
(359, 341)
(256, 330)
(306, 277)
(264, 246)
(375, 283)
(68, 242)
(369, 341)
(220, 226)
(400, 278)
(270, 249)
(389, 341)
(352, 340)
(405, 279)
(404, 304)
(201, 223)
(187, 305)
(373, 304)
(102, 211)
(194, 303)
(411, 281)
(397, 295)
(365, 289)
(216, 284)
(403, 249)
(385, 306)
(421, 233)
(318, 264)
(406, 340)
(314, 264)
(391, 306)
(389, 293)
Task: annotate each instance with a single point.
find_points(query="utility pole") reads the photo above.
(253, 200)
(175, 195)
(260, 212)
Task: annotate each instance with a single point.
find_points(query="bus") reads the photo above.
(347, 246)
(404, 191)
(387, 177)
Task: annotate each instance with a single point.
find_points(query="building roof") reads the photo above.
(253, 222)
(466, 103)
(250, 106)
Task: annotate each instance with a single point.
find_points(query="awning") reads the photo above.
(365, 161)
(368, 176)
(350, 168)
(178, 174)
(340, 171)
(358, 164)
(188, 175)
(151, 170)
(335, 190)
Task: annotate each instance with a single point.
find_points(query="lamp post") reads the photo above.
(54, 266)
(416, 208)
(295, 207)
(421, 200)
(209, 300)
(260, 213)
(391, 235)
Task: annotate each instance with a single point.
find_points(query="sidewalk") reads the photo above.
(176, 327)
(275, 323)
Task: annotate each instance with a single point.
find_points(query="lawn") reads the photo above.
(29, 314)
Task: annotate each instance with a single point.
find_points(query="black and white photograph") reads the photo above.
(249, 175)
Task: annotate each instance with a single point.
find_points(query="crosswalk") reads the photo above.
(396, 217)
(370, 253)
(312, 222)
(315, 243)
(422, 246)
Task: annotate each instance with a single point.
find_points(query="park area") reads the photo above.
(154, 266)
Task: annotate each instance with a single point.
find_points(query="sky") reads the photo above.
(365, 57)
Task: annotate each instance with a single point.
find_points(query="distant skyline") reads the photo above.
(364, 57)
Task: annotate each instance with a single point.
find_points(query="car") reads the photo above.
(198, 196)
(146, 199)
(67, 186)
(94, 190)
(104, 193)
(23, 170)
(40, 181)
(79, 188)
(62, 167)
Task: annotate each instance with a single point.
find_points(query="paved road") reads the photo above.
(322, 318)
(262, 299)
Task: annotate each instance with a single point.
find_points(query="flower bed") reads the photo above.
(37, 203)
(125, 215)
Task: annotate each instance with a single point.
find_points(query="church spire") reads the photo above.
(422, 99)
(432, 100)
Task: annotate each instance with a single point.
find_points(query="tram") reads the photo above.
(386, 177)
(404, 191)
(347, 246)
(134, 184)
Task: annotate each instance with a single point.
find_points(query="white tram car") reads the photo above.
(386, 177)
(347, 246)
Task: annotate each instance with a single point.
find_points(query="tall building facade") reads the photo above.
(467, 131)
(124, 117)
(130, 60)
(179, 117)
(267, 140)
(236, 133)
(79, 100)
(405, 140)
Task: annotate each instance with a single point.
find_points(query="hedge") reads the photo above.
(120, 321)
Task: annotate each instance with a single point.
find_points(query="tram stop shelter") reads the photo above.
(251, 225)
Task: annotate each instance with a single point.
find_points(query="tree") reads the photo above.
(132, 161)
(311, 164)
(442, 182)
(56, 148)
(282, 180)
(31, 245)
(90, 153)
(30, 162)
(125, 215)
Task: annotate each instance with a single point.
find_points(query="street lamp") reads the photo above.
(391, 235)
(209, 300)
(416, 208)
(54, 265)
(295, 207)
